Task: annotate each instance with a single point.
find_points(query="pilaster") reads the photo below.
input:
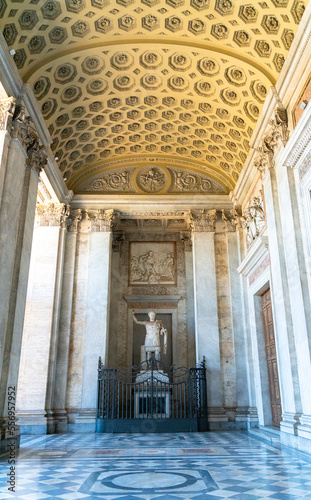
(7, 106)
(284, 332)
(205, 309)
(25, 159)
(41, 319)
(90, 315)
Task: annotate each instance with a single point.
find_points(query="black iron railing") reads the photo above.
(150, 398)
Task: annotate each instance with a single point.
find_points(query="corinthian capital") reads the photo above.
(6, 112)
(202, 220)
(73, 218)
(102, 220)
(50, 214)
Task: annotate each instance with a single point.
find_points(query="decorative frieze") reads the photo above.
(51, 214)
(6, 112)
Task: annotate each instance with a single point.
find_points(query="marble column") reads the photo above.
(90, 314)
(281, 308)
(58, 402)
(299, 296)
(206, 311)
(24, 162)
(37, 367)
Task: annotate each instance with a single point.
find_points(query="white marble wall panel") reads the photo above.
(35, 354)
(97, 313)
(297, 280)
(238, 324)
(206, 313)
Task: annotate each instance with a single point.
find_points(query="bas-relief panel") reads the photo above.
(152, 263)
(119, 307)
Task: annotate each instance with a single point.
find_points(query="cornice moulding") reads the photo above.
(10, 77)
(35, 113)
(257, 253)
(152, 298)
(148, 202)
(298, 54)
(55, 177)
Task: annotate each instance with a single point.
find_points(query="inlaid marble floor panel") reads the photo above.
(199, 466)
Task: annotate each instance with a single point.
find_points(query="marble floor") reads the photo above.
(200, 466)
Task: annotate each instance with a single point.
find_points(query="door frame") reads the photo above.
(261, 377)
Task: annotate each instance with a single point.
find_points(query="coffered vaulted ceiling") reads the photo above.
(150, 96)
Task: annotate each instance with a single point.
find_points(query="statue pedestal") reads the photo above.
(152, 395)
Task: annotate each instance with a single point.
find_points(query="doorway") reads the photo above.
(273, 373)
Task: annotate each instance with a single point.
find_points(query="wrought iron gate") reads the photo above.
(148, 399)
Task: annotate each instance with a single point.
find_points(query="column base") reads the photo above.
(304, 427)
(32, 421)
(83, 420)
(289, 423)
(301, 440)
(248, 415)
(60, 421)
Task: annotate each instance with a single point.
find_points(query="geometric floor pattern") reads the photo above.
(196, 466)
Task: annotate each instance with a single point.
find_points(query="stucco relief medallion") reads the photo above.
(152, 263)
(152, 179)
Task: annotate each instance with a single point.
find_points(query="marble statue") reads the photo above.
(154, 330)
